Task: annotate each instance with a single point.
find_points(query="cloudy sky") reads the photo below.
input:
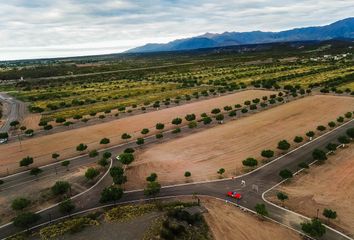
(47, 28)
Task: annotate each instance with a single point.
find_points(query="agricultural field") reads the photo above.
(227, 145)
(64, 143)
(322, 187)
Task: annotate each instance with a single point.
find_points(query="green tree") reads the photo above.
(24, 220)
(221, 171)
(103, 162)
(91, 173)
(111, 193)
(321, 128)
(66, 206)
(282, 196)
(298, 139)
(190, 117)
(93, 153)
(152, 177)
(207, 120)
(219, 118)
(343, 140)
(140, 141)
(310, 134)
(177, 121)
(55, 156)
(66, 164)
(60, 187)
(35, 171)
(25, 162)
(187, 174)
(250, 162)
(350, 132)
(160, 126)
(152, 189)
(267, 153)
(303, 165)
(125, 136)
(145, 131)
(104, 141)
(192, 124)
(319, 155)
(285, 174)
(283, 145)
(20, 203)
(215, 111)
(261, 209)
(107, 155)
(331, 146)
(340, 119)
(126, 158)
(329, 214)
(314, 228)
(332, 124)
(81, 147)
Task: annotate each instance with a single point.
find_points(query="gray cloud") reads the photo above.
(45, 28)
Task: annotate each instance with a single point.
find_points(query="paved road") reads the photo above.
(15, 111)
(265, 178)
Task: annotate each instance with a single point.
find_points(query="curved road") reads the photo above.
(264, 177)
(15, 110)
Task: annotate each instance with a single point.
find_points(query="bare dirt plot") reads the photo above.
(225, 146)
(31, 121)
(229, 222)
(326, 186)
(41, 148)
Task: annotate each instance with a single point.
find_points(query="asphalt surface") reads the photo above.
(15, 111)
(265, 178)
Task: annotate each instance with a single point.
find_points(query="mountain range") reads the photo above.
(343, 29)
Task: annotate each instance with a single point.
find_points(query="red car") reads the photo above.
(235, 195)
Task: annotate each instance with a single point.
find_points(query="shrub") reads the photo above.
(314, 228)
(319, 155)
(192, 124)
(321, 128)
(250, 162)
(332, 124)
(104, 141)
(267, 153)
(298, 139)
(93, 153)
(283, 145)
(285, 174)
(20, 203)
(111, 193)
(140, 141)
(303, 165)
(60, 187)
(25, 220)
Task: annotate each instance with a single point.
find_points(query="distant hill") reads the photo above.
(343, 29)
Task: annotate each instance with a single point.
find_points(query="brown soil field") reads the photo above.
(228, 222)
(325, 186)
(226, 145)
(31, 121)
(64, 143)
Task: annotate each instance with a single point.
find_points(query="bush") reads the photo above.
(187, 174)
(140, 141)
(283, 145)
(267, 153)
(303, 165)
(310, 134)
(332, 124)
(314, 228)
(129, 150)
(24, 220)
(319, 155)
(93, 153)
(107, 155)
(350, 132)
(20, 203)
(321, 128)
(104, 141)
(285, 174)
(111, 193)
(250, 162)
(152, 177)
(91, 173)
(192, 124)
(298, 139)
(348, 115)
(25, 162)
(343, 140)
(159, 135)
(67, 206)
(126, 158)
(145, 131)
(177, 130)
(48, 127)
(60, 187)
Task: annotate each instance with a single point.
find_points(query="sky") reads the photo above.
(59, 28)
